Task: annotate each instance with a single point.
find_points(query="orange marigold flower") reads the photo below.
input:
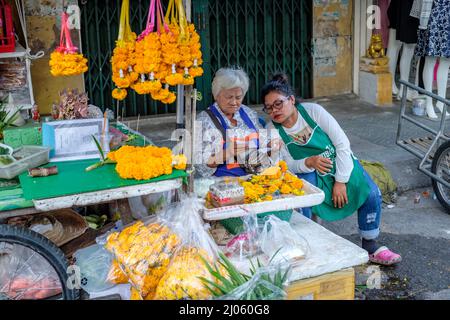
(119, 94)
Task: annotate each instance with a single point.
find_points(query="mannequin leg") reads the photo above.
(442, 78)
(405, 65)
(392, 52)
(428, 73)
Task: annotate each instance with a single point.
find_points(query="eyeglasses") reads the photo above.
(277, 105)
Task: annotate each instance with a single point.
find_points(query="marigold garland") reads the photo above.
(123, 63)
(143, 163)
(67, 64)
(169, 56)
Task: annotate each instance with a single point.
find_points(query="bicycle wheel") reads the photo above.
(31, 267)
(441, 167)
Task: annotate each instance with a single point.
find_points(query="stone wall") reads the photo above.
(332, 47)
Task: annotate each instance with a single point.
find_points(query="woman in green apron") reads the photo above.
(315, 146)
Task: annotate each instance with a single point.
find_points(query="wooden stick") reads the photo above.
(137, 125)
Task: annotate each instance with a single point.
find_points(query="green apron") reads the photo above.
(320, 144)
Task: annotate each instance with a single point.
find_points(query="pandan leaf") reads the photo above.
(99, 147)
(210, 285)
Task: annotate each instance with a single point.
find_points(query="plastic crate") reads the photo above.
(7, 39)
(236, 225)
(27, 157)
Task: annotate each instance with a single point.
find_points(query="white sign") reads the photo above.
(73, 139)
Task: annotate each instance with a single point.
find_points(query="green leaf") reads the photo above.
(210, 285)
(99, 147)
(234, 273)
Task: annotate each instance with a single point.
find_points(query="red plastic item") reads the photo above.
(7, 39)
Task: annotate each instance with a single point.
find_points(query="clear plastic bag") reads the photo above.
(281, 243)
(94, 263)
(181, 281)
(24, 274)
(144, 206)
(244, 245)
(142, 252)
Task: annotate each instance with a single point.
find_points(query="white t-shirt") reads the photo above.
(301, 132)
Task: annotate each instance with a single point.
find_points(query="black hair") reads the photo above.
(278, 83)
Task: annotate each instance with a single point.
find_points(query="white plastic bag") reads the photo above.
(281, 243)
(94, 263)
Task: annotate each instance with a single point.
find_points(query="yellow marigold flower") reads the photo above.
(119, 94)
(283, 165)
(122, 82)
(285, 189)
(161, 94)
(174, 79)
(179, 161)
(188, 80)
(196, 71)
(170, 99)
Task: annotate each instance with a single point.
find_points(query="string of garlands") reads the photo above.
(159, 60)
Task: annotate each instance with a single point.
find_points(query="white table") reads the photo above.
(328, 252)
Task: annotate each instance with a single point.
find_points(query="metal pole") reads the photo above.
(180, 106)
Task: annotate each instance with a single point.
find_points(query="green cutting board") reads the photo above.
(73, 179)
(13, 199)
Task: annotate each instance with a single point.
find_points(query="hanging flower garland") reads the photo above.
(65, 60)
(196, 53)
(148, 54)
(148, 61)
(167, 53)
(123, 60)
(171, 55)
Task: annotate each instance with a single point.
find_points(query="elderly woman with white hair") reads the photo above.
(230, 129)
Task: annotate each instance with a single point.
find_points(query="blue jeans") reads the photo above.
(369, 214)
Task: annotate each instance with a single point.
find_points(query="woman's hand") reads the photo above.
(275, 144)
(227, 156)
(339, 194)
(321, 164)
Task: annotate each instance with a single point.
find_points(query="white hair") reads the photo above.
(228, 78)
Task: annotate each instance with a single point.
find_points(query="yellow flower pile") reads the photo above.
(143, 253)
(67, 64)
(181, 280)
(142, 163)
(275, 180)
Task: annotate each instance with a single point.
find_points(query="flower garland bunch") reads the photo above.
(171, 54)
(143, 163)
(148, 61)
(123, 62)
(67, 63)
(66, 60)
(196, 54)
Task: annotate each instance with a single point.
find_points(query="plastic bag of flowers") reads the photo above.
(182, 280)
(279, 237)
(142, 253)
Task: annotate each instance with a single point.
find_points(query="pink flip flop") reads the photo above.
(385, 257)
